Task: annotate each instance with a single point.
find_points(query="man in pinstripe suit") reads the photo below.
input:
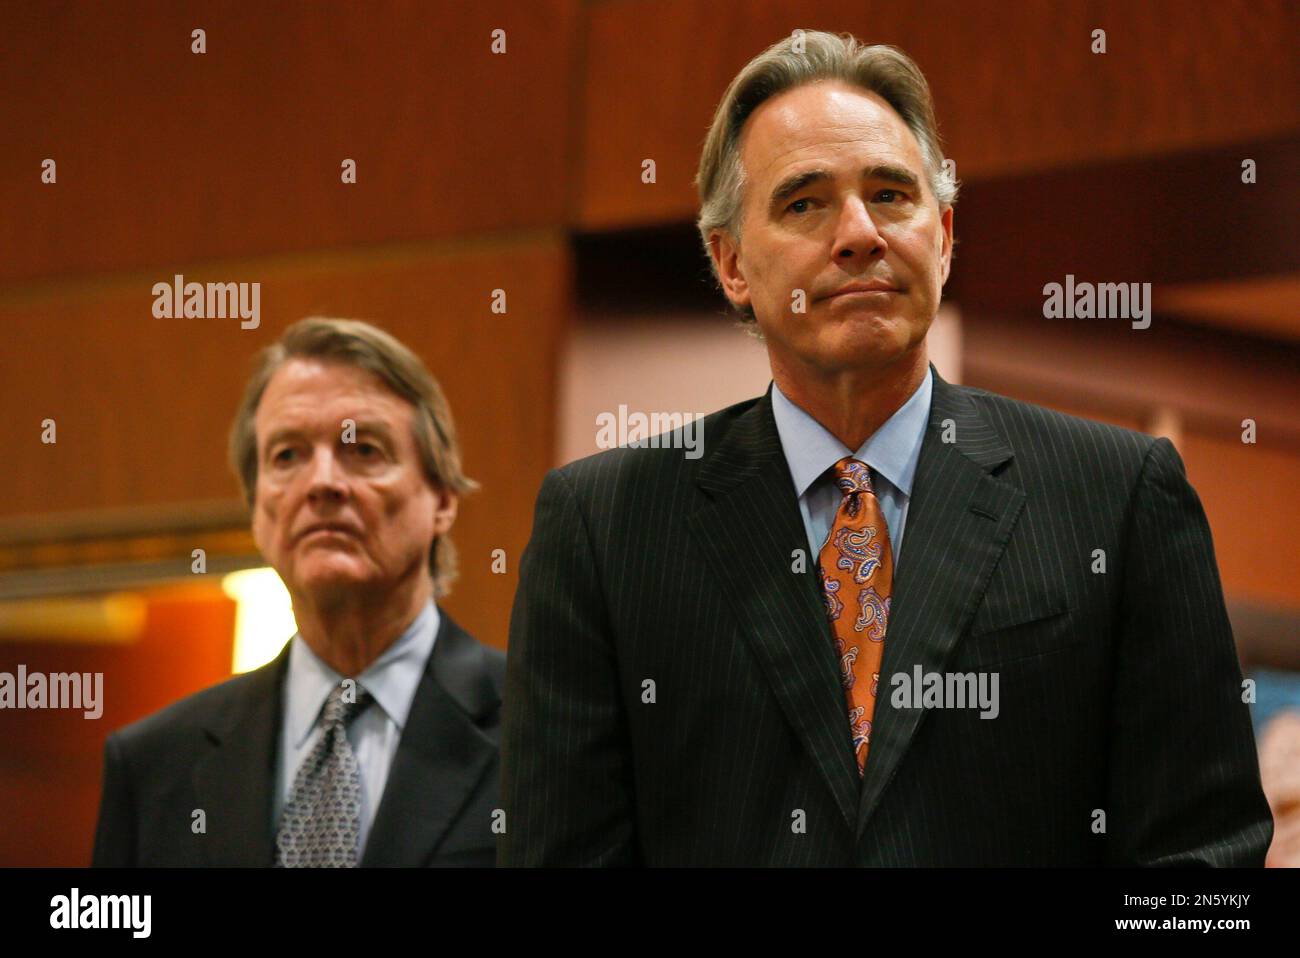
(674, 694)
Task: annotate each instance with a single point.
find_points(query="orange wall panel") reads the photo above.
(1248, 492)
(50, 759)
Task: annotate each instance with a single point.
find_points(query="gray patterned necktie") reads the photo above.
(321, 822)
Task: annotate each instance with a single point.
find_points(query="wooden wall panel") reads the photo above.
(1248, 492)
(1016, 86)
(1166, 220)
(1212, 379)
(167, 156)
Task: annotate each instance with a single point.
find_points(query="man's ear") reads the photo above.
(946, 250)
(445, 505)
(726, 259)
(255, 526)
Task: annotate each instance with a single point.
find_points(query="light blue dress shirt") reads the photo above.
(891, 451)
(374, 735)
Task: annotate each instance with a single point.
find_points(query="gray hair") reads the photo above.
(354, 343)
(880, 68)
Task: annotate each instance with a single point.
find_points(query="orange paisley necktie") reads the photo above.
(856, 566)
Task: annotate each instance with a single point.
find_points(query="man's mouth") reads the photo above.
(323, 529)
(873, 287)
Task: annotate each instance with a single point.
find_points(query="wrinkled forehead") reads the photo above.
(825, 122)
(311, 395)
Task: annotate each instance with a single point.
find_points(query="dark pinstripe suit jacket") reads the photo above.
(1121, 738)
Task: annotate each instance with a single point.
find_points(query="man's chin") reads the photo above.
(325, 577)
(866, 314)
(865, 338)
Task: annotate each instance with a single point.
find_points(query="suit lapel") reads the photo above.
(750, 529)
(233, 781)
(442, 755)
(959, 520)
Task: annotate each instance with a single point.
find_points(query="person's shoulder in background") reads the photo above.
(1276, 713)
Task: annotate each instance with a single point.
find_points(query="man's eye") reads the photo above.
(890, 193)
(791, 207)
(280, 456)
(367, 449)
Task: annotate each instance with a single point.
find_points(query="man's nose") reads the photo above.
(326, 479)
(856, 236)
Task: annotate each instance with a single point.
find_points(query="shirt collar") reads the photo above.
(392, 678)
(892, 450)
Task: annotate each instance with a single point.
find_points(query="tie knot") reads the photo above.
(346, 702)
(852, 475)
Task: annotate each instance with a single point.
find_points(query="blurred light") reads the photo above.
(110, 619)
(263, 616)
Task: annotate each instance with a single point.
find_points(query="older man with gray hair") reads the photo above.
(372, 738)
(731, 660)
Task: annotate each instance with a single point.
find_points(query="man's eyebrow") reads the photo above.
(882, 171)
(373, 426)
(793, 184)
(376, 427)
(893, 174)
(282, 434)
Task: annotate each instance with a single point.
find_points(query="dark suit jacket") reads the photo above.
(216, 751)
(1120, 692)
